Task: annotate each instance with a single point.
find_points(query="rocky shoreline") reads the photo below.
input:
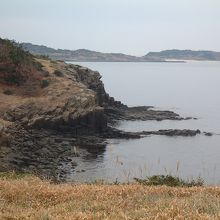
(53, 153)
(43, 128)
(49, 152)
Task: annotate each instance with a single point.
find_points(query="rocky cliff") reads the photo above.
(39, 93)
(64, 100)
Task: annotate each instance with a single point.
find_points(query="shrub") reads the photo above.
(13, 175)
(44, 83)
(44, 57)
(18, 55)
(39, 66)
(8, 92)
(18, 66)
(169, 180)
(58, 73)
(13, 79)
(76, 65)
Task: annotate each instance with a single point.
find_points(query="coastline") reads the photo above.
(46, 127)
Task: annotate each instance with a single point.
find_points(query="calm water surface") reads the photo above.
(190, 89)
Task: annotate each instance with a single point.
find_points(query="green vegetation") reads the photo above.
(44, 83)
(13, 52)
(44, 57)
(17, 65)
(58, 73)
(13, 175)
(17, 54)
(39, 66)
(8, 92)
(168, 180)
(13, 79)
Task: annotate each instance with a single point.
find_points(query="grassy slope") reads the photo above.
(32, 198)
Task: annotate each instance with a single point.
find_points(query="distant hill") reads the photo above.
(184, 55)
(76, 55)
(84, 55)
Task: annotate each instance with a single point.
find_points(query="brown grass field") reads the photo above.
(31, 198)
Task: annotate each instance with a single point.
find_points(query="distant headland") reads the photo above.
(84, 55)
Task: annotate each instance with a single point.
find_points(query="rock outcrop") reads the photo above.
(65, 102)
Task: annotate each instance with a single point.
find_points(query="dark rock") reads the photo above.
(208, 134)
(143, 113)
(177, 132)
(115, 133)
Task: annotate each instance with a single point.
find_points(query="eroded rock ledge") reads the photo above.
(115, 133)
(143, 113)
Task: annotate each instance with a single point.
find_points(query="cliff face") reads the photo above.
(92, 80)
(65, 100)
(55, 96)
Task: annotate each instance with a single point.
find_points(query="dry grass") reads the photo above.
(47, 65)
(32, 198)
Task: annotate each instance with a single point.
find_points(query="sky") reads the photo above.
(127, 26)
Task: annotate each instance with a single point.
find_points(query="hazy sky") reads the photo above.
(128, 26)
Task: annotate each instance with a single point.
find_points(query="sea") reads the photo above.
(191, 89)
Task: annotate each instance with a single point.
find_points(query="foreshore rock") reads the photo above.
(53, 153)
(45, 152)
(174, 132)
(115, 133)
(143, 113)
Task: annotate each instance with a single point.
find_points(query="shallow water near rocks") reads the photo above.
(190, 89)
